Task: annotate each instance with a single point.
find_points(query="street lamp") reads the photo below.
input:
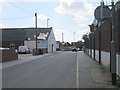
(47, 21)
(113, 45)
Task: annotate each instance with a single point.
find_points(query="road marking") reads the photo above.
(77, 74)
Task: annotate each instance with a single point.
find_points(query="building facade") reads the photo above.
(27, 36)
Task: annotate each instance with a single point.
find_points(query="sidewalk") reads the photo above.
(22, 58)
(90, 73)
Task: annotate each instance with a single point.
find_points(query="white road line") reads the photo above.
(77, 74)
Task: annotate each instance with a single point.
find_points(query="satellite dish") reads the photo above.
(106, 12)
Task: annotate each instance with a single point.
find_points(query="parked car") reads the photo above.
(74, 49)
(24, 49)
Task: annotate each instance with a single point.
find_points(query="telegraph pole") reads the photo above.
(74, 37)
(36, 30)
(62, 37)
(47, 21)
(113, 46)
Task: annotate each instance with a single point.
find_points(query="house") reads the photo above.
(78, 44)
(45, 39)
(14, 37)
(65, 46)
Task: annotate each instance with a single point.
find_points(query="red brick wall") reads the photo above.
(8, 55)
(118, 30)
(106, 36)
(96, 33)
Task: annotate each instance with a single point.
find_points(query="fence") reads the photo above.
(99, 41)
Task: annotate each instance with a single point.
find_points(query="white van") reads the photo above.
(24, 49)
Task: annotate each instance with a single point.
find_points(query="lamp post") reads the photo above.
(36, 30)
(47, 21)
(113, 46)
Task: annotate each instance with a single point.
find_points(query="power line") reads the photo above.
(20, 8)
(14, 18)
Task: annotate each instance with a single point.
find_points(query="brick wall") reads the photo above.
(118, 31)
(8, 55)
(106, 36)
(105, 30)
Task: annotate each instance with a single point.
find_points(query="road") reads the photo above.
(57, 70)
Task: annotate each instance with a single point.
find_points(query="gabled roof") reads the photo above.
(31, 33)
(11, 34)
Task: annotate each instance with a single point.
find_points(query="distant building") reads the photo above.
(58, 45)
(27, 36)
(78, 44)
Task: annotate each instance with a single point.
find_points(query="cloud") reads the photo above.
(2, 1)
(0, 9)
(82, 12)
(79, 9)
(2, 25)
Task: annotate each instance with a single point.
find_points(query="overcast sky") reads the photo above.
(70, 17)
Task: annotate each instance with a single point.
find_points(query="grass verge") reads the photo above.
(118, 82)
(106, 69)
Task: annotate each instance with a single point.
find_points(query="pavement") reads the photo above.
(91, 74)
(22, 58)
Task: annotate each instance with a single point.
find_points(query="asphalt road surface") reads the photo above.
(57, 70)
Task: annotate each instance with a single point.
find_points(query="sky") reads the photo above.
(70, 17)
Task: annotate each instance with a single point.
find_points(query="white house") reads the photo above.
(45, 39)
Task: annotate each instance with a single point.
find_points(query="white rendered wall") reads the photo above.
(51, 41)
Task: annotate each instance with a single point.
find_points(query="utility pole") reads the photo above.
(74, 37)
(113, 46)
(36, 30)
(62, 37)
(47, 21)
